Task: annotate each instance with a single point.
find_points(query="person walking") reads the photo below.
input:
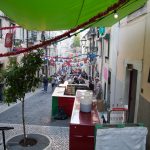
(91, 83)
(53, 82)
(97, 87)
(45, 83)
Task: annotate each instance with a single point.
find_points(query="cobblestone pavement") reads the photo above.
(4, 106)
(59, 135)
(38, 119)
(37, 110)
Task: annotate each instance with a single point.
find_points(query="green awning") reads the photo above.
(62, 14)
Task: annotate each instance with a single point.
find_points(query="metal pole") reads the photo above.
(90, 60)
(102, 59)
(46, 67)
(3, 135)
(93, 60)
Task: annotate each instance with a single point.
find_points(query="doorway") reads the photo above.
(109, 88)
(132, 94)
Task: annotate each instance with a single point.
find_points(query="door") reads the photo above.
(109, 88)
(132, 94)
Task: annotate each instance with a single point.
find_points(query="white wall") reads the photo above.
(114, 95)
(3, 49)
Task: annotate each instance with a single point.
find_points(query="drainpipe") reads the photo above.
(90, 59)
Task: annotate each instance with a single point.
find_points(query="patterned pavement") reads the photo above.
(59, 135)
(38, 120)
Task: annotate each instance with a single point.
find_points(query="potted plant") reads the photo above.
(21, 78)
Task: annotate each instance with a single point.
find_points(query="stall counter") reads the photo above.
(82, 127)
(59, 100)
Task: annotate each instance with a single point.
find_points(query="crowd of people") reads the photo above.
(55, 80)
(75, 77)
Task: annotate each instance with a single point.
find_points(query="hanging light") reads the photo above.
(116, 14)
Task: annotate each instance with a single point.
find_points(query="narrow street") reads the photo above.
(37, 111)
(91, 59)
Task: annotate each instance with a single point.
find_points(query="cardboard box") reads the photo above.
(100, 105)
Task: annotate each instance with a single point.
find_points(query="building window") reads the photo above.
(12, 30)
(0, 27)
(100, 47)
(107, 44)
(34, 35)
(22, 34)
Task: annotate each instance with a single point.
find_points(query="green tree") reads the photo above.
(21, 78)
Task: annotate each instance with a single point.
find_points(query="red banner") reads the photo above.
(18, 49)
(9, 40)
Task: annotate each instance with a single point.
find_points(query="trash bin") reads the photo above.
(86, 102)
